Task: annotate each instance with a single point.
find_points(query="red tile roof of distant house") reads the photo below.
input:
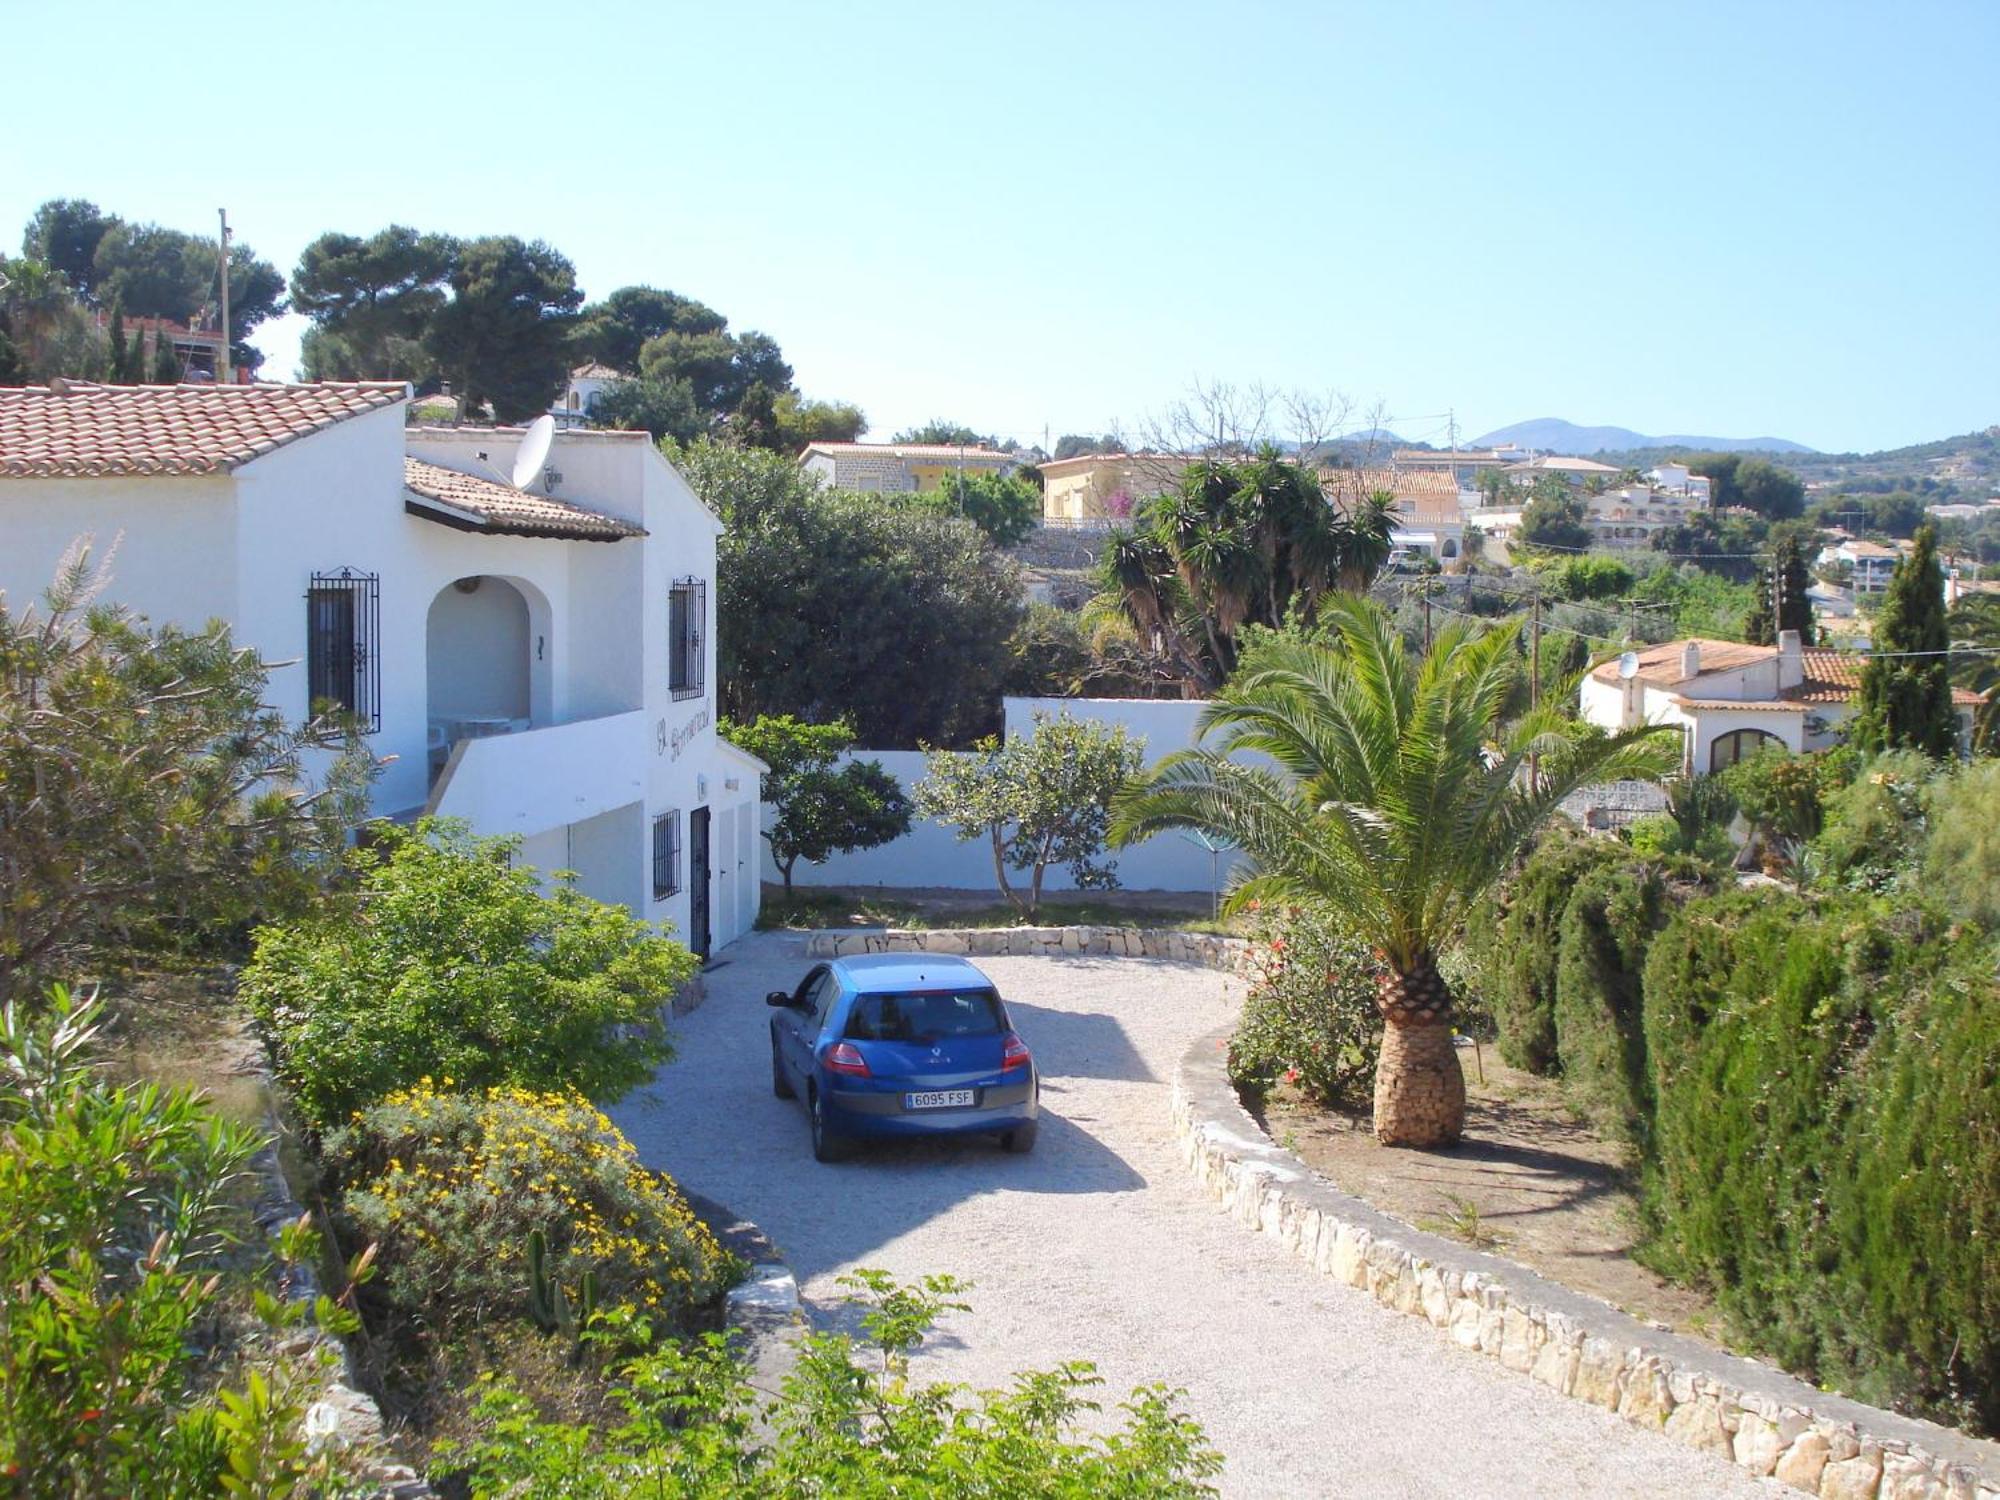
(85, 431)
(1829, 676)
(483, 505)
(1346, 484)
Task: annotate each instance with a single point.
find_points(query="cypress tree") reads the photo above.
(1905, 700)
(1793, 606)
(166, 363)
(1760, 626)
(121, 359)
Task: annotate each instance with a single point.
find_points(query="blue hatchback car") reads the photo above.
(896, 1044)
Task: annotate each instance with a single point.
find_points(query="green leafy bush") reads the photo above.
(449, 1186)
(1310, 1016)
(120, 1210)
(1827, 1079)
(1656, 833)
(844, 1423)
(450, 962)
(1873, 829)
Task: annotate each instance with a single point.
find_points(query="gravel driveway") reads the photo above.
(1097, 1246)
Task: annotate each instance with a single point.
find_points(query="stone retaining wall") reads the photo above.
(1748, 1413)
(1229, 954)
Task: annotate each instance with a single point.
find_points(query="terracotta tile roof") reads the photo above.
(1348, 484)
(1835, 677)
(91, 431)
(1661, 665)
(1165, 463)
(483, 505)
(597, 370)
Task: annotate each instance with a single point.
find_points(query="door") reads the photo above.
(698, 882)
(725, 842)
(798, 1026)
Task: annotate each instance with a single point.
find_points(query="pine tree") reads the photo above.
(1905, 699)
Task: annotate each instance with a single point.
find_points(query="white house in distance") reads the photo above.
(1731, 700)
(899, 467)
(537, 661)
(586, 383)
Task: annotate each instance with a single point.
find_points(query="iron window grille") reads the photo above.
(687, 631)
(666, 854)
(343, 629)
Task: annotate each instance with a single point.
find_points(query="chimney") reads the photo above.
(1791, 660)
(1691, 659)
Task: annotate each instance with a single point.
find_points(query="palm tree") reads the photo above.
(1239, 541)
(1974, 624)
(1397, 799)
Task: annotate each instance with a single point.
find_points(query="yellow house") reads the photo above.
(1099, 489)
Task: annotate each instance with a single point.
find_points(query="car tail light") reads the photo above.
(845, 1057)
(1014, 1054)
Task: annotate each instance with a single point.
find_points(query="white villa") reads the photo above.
(1731, 700)
(579, 398)
(536, 661)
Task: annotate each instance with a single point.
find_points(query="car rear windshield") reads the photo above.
(925, 1016)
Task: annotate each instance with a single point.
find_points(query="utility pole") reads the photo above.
(1535, 651)
(225, 376)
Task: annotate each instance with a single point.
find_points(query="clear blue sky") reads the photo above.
(1739, 219)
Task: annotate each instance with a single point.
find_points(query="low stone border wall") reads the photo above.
(1749, 1413)
(764, 1308)
(1211, 950)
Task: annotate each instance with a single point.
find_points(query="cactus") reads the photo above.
(548, 1304)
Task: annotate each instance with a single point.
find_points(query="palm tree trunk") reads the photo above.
(1419, 1087)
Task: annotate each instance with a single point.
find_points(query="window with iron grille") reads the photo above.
(687, 637)
(666, 854)
(343, 626)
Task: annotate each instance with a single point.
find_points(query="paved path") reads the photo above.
(1097, 1246)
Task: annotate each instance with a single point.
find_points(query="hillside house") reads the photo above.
(538, 662)
(888, 468)
(1730, 700)
(586, 383)
(1429, 518)
(1095, 490)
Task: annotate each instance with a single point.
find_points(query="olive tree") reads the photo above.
(146, 788)
(1043, 799)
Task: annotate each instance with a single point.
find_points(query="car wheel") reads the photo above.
(827, 1146)
(1020, 1140)
(780, 1084)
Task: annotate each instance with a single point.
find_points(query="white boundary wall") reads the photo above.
(931, 855)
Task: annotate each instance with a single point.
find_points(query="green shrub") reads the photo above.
(450, 1185)
(1656, 833)
(450, 962)
(1601, 940)
(847, 1421)
(1310, 1016)
(1874, 828)
(1513, 944)
(1962, 864)
(1826, 1119)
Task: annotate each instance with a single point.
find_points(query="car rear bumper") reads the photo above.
(881, 1112)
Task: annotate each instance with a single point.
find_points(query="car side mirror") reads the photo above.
(779, 999)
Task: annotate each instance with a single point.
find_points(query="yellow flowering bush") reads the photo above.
(449, 1185)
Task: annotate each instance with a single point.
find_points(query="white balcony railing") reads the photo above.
(536, 779)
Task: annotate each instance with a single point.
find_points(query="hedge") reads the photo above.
(1827, 1123)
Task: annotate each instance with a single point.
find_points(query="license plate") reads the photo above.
(939, 1099)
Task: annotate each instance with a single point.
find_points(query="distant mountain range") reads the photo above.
(1555, 435)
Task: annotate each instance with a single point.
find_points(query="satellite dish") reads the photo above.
(533, 453)
(1628, 666)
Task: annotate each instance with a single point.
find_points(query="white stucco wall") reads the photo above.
(932, 855)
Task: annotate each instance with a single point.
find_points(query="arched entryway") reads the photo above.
(486, 659)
